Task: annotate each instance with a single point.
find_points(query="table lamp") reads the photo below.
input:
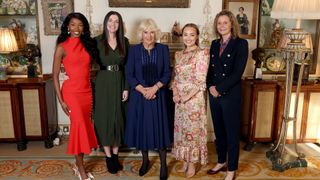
(8, 44)
(294, 51)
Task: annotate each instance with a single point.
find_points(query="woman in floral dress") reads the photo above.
(189, 95)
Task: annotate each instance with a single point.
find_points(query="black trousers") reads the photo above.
(226, 121)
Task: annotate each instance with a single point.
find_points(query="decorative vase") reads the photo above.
(11, 10)
(32, 71)
(22, 11)
(33, 8)
(3, 73)
(3, 10)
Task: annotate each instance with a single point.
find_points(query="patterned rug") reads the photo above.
(254, 168)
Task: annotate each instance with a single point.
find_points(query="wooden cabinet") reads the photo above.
(259, 111)
(28, 111)
(308, 113)
(263, 104)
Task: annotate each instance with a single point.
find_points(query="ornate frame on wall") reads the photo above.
(250, 13)
(150, 3)
(269, 33)
(54, 12)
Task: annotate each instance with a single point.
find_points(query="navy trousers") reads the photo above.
(226, 121)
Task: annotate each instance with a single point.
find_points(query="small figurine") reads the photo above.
(258, 55)
(265, 8)
(31, 52)
(176, 32)
(276, 34)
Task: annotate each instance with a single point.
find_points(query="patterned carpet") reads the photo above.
(51, 164)
(254, 168)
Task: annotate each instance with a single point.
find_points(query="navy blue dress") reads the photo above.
(148, 122)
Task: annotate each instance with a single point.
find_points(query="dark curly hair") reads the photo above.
(119, 34)
(85, 38)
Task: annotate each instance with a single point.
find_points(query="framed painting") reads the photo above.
(150, 3)
(270, 32)
(246, 14)
(54, 12)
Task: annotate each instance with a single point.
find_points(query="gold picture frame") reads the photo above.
(150, 3)
(54, 13)
(250, 10)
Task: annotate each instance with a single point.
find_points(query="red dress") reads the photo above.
(77, 94)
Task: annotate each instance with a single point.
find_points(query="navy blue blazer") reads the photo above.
(225, 72)
(134, 65)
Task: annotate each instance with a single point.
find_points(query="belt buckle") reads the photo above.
(115, 67)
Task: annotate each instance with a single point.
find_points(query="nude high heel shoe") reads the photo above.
(183, 168)
(77, 173)
(191, 170)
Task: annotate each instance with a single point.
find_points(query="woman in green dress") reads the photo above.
(111, 90)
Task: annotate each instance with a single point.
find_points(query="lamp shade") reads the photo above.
(8, 41)
(296, 9)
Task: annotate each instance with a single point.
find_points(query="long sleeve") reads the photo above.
(166, 72)
(126, 85)
(201, 70)
(130, 69)
(173, 82)
(210, 68)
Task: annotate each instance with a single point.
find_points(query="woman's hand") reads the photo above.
(151, 92)
(214, 92)
(140, 89)
(65, 108)
(125, 94)
(184, 99)
(66, 77)
(176, 99)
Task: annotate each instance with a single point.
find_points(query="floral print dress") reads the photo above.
(190, 131)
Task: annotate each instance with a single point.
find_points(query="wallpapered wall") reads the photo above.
(164, 17)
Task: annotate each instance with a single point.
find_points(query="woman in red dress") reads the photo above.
(75, 49)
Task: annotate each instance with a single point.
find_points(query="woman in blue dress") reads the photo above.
(148, 73)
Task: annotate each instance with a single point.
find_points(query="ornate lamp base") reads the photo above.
(294, 52)
(286, 162)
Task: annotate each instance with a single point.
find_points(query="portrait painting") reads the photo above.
(245, 12)
(54, 12)
(150, 3)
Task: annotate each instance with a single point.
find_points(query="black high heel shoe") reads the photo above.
(144, 168)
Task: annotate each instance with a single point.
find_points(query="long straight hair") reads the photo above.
(119, 34)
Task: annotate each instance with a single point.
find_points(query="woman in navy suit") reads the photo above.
(148, 73)
(228, 58)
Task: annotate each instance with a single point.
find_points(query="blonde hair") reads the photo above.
(148, 24)
(235, 29)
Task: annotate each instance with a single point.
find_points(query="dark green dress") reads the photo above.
(109, 113)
